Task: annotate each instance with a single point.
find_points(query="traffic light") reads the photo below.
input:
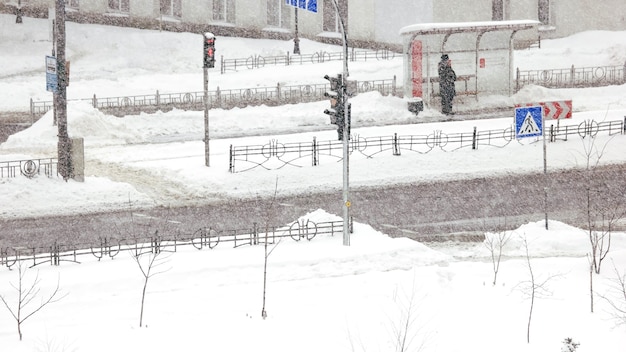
(336, 96)
(209, 50)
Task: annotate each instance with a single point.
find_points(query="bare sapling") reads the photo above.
(590, 282)
(25, 305)
(604, 206)
(404, 328)
(267, 250)
(495, 243)
(532, 288)
(150, 258)
(150, 263)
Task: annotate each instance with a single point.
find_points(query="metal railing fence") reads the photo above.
(276, 155)
(260, 61)
(221, 98)
(29, 168)
(108, 247)
(573, 77)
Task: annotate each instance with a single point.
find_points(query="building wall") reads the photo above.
(573, 16)
(388, 17)
(196, 11)
(370, 21)
(462, 10)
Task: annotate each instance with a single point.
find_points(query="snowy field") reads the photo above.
(322, 296)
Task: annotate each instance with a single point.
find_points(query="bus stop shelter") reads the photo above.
(481, 55)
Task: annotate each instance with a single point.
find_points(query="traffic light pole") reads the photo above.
(207, 160)
(208, 58)
(346, 138)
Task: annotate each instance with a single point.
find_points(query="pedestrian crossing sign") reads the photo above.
(528, 122)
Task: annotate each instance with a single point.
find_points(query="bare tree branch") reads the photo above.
(26, 296)
(616, 297)
(155, 260)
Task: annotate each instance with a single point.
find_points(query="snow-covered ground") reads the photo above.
(321, 295)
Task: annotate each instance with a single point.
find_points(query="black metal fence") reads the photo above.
(136, 246)
(29, 168)
(275, 155)
(277, 95)
(573, 77)
(220, 98)
(260, 61)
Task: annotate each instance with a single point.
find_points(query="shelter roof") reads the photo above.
(460, 27)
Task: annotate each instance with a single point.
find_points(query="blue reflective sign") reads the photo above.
(528, 122)
(308, 5)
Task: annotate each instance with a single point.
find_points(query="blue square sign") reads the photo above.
(308, 5)
(528, 122)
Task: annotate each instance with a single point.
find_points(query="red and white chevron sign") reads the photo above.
(554, 110)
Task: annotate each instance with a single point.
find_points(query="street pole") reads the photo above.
(206, 117)
(208, 62)
(296, 40)
(346, 135)
(545, 167)
(60, 103)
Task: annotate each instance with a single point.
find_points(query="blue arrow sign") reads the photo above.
(308, 5)
(528, 122)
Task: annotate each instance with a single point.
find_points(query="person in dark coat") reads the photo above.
(447, 77)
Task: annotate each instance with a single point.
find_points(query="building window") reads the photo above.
(331, 21)
(278, 13)
(497, 12)
(172, 8)
(119, 5)
(543, 14)
(224, 10)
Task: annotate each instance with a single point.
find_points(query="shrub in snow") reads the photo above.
(569, 345)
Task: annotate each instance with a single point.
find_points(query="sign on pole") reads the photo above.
(554, 110)
(557, 109)
(528, 122)
(51, 74)
(308, 5)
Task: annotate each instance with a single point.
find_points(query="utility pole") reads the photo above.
(60, 96)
